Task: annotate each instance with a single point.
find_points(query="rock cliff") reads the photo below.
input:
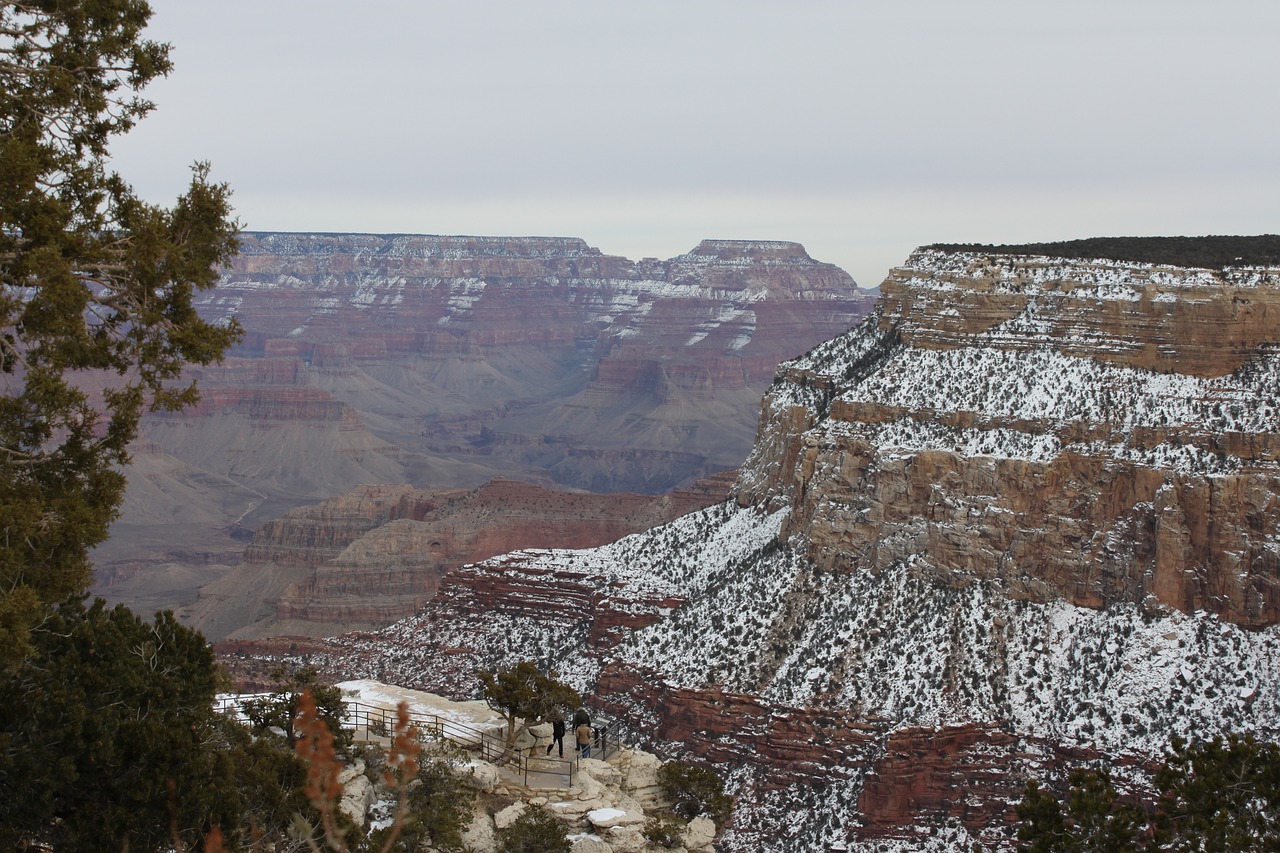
(1021, 520)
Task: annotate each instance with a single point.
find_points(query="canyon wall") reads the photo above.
(1020, 521)
(1025, 422)
(444, 362)
(376, 554)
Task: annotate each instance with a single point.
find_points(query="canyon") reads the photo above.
(1022, 519)
(376, 554)
(442, 363)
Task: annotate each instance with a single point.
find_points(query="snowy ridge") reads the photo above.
(1043, 388)
(898, 646)
(938, 269)
(747, 252)
(413, 245)
(631, 575)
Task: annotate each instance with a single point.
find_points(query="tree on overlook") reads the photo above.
(107, 735)
(96, 287)
(522, 692)
(109, 741)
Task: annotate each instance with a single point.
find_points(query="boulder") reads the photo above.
(610, 817)
(357, 796)
(350, 771)
(480, 775)
(509, 815)
(587, 787)
(574, 811)
(640, 777)
(699, 834)
(588, 844)
(480, 834)
(601, 771)
(526, 741)
(626, 839)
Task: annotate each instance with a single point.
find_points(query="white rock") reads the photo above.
(575, 810)
(626, 839)
(628, 804)
(357, 796)
(481, 775)
(699, 834)
(350, 771)
(524, 740)
(509, 815)
(587, 787)
(605, 818)
(642, 769)
(480, 835)
(640, 778)
(601, 771)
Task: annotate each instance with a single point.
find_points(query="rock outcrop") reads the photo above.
(1021, 520)
(1025, 423)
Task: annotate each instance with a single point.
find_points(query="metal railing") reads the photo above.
(377, 722)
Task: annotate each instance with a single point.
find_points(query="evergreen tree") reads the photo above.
(522, 692)
(280, 708)
(1095, 820)
(535, 831)
(440, 805)
(109, 740)
(694, 790)
(96, 288)
(1218, 796)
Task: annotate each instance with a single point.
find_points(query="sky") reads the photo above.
(860, 129)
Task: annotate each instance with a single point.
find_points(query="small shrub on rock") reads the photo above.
(535, 831)
(664, 831)
(694, 790)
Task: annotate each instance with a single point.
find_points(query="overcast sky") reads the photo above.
(860, 129)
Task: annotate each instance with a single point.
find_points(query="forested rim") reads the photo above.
(1210, 252)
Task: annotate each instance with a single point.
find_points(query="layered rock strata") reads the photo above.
(443, 362)
(1038, 433)
(996, 532)
(377, 553)
(538, 349)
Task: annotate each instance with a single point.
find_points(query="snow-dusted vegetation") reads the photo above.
(903, 647)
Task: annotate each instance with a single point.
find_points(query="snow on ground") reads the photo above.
(461, 722)
(899, 646)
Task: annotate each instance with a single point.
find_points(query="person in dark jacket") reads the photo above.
(557, 733)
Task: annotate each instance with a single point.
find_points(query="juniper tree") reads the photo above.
(109, 740)
(522, 692)
(96, 290)
(1216, 796)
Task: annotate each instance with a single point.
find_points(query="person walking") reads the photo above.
(557, 733)
(583, 735)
